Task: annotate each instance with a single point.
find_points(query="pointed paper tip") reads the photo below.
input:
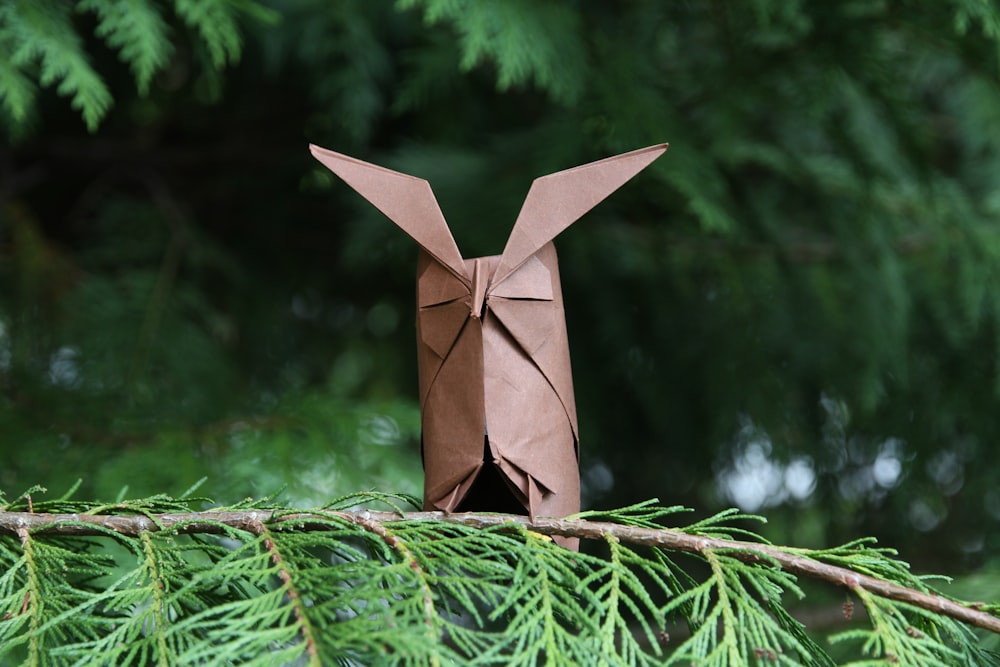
(335, 162)
(325, 155)
(404, 199)
(658, 149)
(555, 201)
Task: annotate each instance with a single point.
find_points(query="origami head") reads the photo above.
(496, 392)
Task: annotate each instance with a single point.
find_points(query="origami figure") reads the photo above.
(496, 393)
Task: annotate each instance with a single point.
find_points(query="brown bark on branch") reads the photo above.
(17, 523)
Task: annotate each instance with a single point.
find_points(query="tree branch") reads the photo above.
(16, 523)
(258, 528)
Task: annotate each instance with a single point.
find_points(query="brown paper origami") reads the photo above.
(496, 392)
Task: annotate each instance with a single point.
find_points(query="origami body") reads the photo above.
(496, 393)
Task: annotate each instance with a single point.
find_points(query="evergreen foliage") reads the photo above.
(331, 586)
(135, 29)
(539, 45)
(38, 43)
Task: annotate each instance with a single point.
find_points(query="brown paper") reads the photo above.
(496, 391)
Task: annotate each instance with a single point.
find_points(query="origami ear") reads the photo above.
(406, 200)
(556, 201)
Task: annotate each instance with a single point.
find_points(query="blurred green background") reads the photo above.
(795, 310)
